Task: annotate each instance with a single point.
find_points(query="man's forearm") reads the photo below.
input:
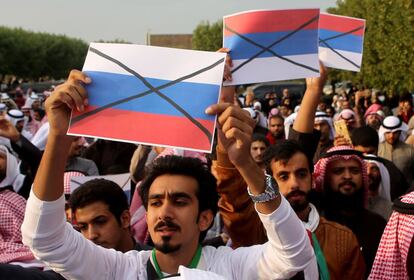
(289, 245)
(48, 183)
(305, 120)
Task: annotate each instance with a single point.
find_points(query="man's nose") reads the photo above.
(347, 173)
(293, 184)
(166, 211)
(92, 233)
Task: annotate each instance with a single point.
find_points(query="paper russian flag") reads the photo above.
(150, 95)
(272, 45)
(341, 41)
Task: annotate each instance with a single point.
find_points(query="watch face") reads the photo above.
(270, 193)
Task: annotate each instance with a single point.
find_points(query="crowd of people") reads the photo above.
(283, 195)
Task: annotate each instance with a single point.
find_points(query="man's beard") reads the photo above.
(164, 246)
(337, 201)
(375, 125)
(298, 205)
(279, 134)
(374, 184)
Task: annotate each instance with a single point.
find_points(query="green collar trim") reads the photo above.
(193, 264)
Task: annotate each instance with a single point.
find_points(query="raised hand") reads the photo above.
(235, 129)
(66, 97)
(316, 84)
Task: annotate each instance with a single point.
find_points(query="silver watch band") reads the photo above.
(270, 193)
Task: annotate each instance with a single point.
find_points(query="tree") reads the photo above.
(32, 55)
(208, 37)
(389, 39)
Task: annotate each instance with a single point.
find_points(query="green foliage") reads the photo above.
(116, 41)
(208, 37)
(389, 39)
(32, 55)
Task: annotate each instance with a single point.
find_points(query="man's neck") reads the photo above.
(169, 263)
(127, 243)
(373, 193)
(304, 214)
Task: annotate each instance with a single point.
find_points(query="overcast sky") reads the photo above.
(130, 20)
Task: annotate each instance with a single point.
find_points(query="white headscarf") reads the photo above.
(13, 176)
(257, 116)
(30, 99)
(392, 124)
(14, 116)
(40, 138)
(385, 184)
(289, 123)
(322, 116)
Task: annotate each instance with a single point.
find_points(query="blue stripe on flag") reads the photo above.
(348, 42)
(302, 42)
(192, 97)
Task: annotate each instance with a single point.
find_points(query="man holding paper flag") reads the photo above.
(180, 198)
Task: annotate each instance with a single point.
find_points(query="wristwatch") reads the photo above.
(270, 193)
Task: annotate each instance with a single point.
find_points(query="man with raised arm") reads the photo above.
(290, 163)
(181, 200)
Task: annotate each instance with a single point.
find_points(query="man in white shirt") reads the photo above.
(175, 215)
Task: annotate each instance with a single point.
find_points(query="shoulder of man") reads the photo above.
(334, 227)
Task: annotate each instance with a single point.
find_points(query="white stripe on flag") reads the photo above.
(274, 69)
(156, 62)
(331, 59)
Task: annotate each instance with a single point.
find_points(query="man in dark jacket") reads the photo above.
(341, 177)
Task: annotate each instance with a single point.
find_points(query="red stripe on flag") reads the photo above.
(341, 24)
(270, 21)
(144, 128)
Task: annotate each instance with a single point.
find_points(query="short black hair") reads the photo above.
(100, 190)
(406, 97)
(41, 112)
(206, 193)
(277, 116)
(284, 151)
(365, 136)
(261, 138)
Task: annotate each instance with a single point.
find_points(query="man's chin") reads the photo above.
(347, 190)
(166, 247)
(299, 205)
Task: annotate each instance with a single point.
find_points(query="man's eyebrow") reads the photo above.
(172, 195)
(301, 169)
(156, 196)
(92, 220)
(281, 173)
(98, 217)
(176, 195)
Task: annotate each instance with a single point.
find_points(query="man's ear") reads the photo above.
(125, 219)
(205, 219)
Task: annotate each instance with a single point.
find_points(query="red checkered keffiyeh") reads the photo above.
(12, 207)
(66, 180)
(391, 259)
(322, 164)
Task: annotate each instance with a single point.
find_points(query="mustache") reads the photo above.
(348, 182)
(296, 192)
(167, 223)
